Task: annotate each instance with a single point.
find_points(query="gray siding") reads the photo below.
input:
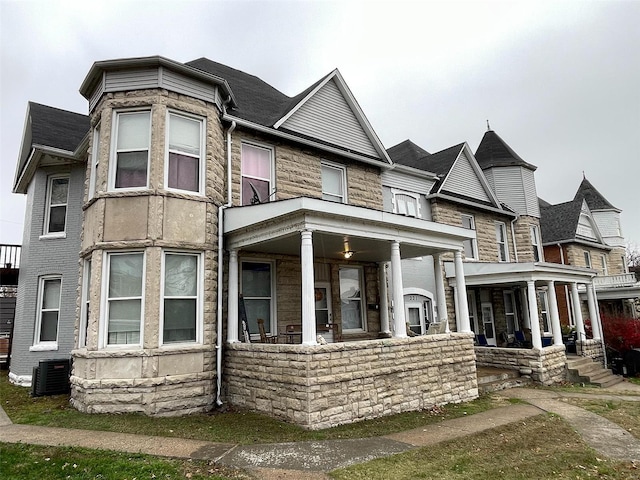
(419, 274)
(47, 257)
(464, 180)
(607, 223)
(328, 117)
(403, 181)
(516, 187)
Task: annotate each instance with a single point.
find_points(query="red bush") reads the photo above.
(621, 333)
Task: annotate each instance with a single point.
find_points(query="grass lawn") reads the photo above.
(19, 461)
(625, 414)
(543, 447)
(231, 427)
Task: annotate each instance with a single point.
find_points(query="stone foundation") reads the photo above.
(327, 385)
(590, 348)
(545, 366)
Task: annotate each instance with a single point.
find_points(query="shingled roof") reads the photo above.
(494, 152)
(409, 154)
(594, 198)
(559, 222)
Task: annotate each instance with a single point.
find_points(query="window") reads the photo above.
(181, 298)
(57, 197)
(125, 290)
(510, 312)
(333, 183)
(406, 204)
(473, 310)
(95, 152)
(605, 269)
(184, 153)
(625, 267)
(256, 174)
(535, 243)
(257, 291)
(351, 304)
(130, 164)
(544, 311)
(49, 311)
(86, 303)
(587, 259)
(470, 246)
(501, 238)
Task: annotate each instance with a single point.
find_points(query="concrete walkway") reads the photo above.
(308, 460)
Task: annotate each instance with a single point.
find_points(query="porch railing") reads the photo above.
(613, 281)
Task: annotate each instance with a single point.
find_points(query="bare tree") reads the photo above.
(632, 254)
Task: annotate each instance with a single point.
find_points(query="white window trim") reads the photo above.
(113, 158)
(503, 229)
(474, 242)
(272, 169)
(534, 232)
(199, 298)
(85, 306)
(38, 345)
(516, 321)
(415, 196)
(473, 311)
(543, 300)
(103, 335)
(203, 153)
(274, 309)
(95, 158)
(363, 303)
(587, 258)
(47, 214)
(605, 267)
(343, 177)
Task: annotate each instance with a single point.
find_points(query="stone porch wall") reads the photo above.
(590, 348)
(327, 385)
(546, 366)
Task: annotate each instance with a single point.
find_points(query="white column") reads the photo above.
(384, 298)
(232, 313)
(593, 311)
(577, 311)
(461, 291)
(456, 309)
(441, 300)
(534, 319)
(553, 313)
(399, 322)
(308, 297)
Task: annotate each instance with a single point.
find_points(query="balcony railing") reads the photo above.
(614, 281)
(10, 256)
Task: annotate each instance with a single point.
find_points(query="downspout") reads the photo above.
(221, 210)
(513, 236)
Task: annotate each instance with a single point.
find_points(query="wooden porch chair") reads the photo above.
(264, 338)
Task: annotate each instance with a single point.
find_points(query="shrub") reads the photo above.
(621, 334)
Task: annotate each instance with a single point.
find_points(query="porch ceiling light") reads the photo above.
(347, 253)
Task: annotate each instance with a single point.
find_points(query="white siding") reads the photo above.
(607, 222)
(403, 181)
(328, 117)
(464, 180)
(516, 187)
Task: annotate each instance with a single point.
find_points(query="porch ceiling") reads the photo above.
(274, 228)
(485, 273)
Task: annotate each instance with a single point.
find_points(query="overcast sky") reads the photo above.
(558, 81)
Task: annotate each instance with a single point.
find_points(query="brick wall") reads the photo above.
(327, 385)
(546, 366)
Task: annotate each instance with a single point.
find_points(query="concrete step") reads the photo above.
(495, 379)
(585, 370)
(503, 384)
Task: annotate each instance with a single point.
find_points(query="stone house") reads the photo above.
(587, 232)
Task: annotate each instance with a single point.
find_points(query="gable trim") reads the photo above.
(479, 206)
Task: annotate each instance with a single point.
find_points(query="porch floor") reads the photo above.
(493, 379)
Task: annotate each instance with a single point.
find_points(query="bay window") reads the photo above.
(184, 164)
(125, 291)
(257, 172)
(130, 161)
(181, 298)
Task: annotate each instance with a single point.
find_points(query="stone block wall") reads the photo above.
(524, 243)
(591, 348)
(545, 366)
(326, 385)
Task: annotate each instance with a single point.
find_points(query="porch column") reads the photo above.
(577, 311)
(399, 322)
(534, 319)
(232, 313)
(593, 311)
(456, 309)
(553, 313)
(441, 301)
(463, 312)
(308, 297)
(384, 298)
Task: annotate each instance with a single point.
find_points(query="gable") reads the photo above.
(326, 115)
(463, 180)
(586, 226)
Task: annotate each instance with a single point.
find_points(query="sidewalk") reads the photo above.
(308, 460)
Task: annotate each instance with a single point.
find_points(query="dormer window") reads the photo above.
(130, 162)
(405, 203)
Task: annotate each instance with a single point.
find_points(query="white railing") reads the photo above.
(621, 280)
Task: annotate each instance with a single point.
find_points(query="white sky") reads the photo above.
(559, 81)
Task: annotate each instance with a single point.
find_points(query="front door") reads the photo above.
(487, 323)
(323, 310)
(414, 313)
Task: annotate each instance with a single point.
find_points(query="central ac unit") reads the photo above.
(51, 377)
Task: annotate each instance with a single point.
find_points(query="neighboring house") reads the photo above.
(51, 170)
(587, 232)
